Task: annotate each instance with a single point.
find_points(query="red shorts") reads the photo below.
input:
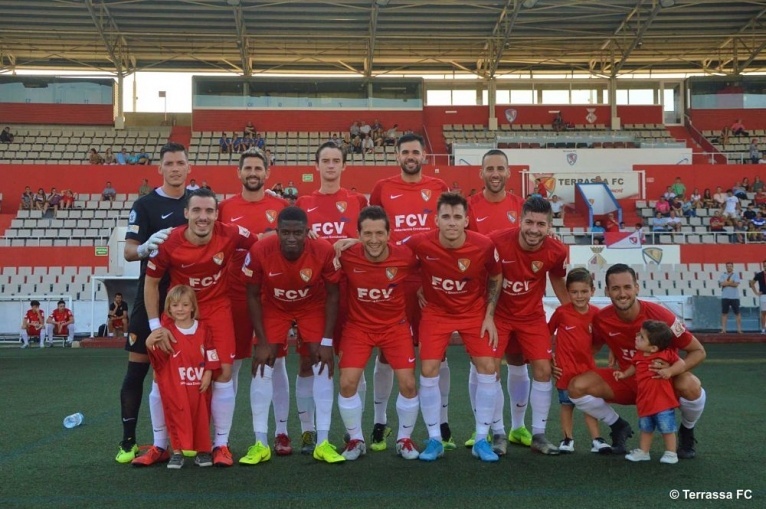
(118, 323)
(277, 325)
(436, 330)
(395, 343)
(624, 390)
(529, 337)
(243, 331)
(411, 306)
(219, 320)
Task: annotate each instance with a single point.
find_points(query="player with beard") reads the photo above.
(256, 210)
(409, 200)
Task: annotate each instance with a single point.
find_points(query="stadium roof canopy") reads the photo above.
(374, 37)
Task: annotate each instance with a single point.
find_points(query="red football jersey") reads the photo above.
(333, 216)
(485, 216)
(201, 267)
(574, 341)
(524, 273)
(61, 316)
(36, 321)
(375, 291)
(620, 336)
(455, 280)
(411, 206)
(654, 394)
(291, 285)
(258, 217)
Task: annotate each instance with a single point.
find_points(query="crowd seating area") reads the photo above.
(37, 281)
(735, 148)
(70, 145)
(288, 147)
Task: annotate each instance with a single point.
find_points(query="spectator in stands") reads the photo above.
(94, 157)
(749, 213)
(378, 138)
(696, 198)
(755, 152)
(377, 128)
(192, 186)
(717, 222)
(757, 186)
(660, 224)
(738, 128)
(249, 128)
(205, 185)
(40, 199)
(336, 140)
(740, 231)
(754, 234)
(455, 188)
(557, 207)
(391, 135)
(746, 185)
(260, 142)
(225, 144)
(662, 207)
(122, 156)
(688, 209)
(54, 200)
(598, 230)
(758, 224)
(356, 145)
(271, 157)
(674, 222)
(132, 158)
(109, 156)
(730, 208)
(558, 122)
(541, 189)
(354, 130)
(719, 197)
(27, 199)
(117, 319)
(669, 194)
(611, 225)
(143, 157)
(640, 228)
(365, 130)
(677, 205)
(145, 188)
(724, 137)
(239, 145)
(739, 191)
(707, 199)
(368, 145)
(277, 189)
(729, 283)
(6, 136)
(109, 193)
(679, 188)
(291, 191)
(67, 201)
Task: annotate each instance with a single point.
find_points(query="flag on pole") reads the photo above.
(623, 240)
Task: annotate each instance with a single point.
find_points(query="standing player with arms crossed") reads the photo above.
(291, 278)
(461, 276)
(376, 270)
(149, 224)
(256, 210)
(527, 255)
(197, 255)
(332, 214)
(409, 200)
(491, 210)
(617, 326)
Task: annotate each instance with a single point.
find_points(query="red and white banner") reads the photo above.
(623, 240)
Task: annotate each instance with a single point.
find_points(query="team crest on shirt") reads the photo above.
(306, 274)
(271, 215)
(341, 206)
(463, 264)
(391, 272)
(511, 216)
(536, 266)
(132, 339)
(425, 194)
(218, 258)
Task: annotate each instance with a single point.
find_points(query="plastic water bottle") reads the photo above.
(72, 421)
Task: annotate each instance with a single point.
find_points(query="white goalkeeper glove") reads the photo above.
(151, 245)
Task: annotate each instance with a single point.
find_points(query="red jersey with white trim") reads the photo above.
(574, 341)
(375, 292)
(524, 273)
(455, 280)
(485, 216)
(654, 394)
(35, 321)
(620, 336)
(59, 315)
(287, 285)
(201, 267)
(258, 217)
(411, 206)
(333, 216)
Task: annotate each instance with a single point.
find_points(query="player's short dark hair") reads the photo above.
(539, 205)
(35, 303)
(579, 275)
(61, 301)
(658, 333)
(406, 138)
(494, 152)
(619, 268)
(373, 213)
(292, 213)
(118, 293)
(452, 199)
(202, 192)
(332, 145)
(172, 146)
(254, 152)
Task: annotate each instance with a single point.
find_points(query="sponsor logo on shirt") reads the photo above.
(306, 274)
(165, 216)
(395, 196)
(235, 219)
